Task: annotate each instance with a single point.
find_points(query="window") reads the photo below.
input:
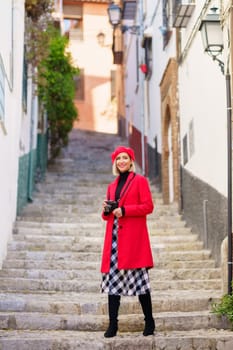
(148, 57)
(191, 139)
(25, 76)
(73, 28)
(113, 84)
(182, 12)
(185, 149)
(166, 32)
(137, 60)
(79, 86)
(73, 21)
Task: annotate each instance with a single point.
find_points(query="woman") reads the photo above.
(127, 253)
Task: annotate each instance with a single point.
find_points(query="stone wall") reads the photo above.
(205, 210)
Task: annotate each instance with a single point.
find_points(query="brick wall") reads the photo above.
(169, 115)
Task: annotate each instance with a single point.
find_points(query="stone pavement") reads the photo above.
(50, 281)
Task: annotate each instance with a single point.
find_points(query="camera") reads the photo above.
(110, 206)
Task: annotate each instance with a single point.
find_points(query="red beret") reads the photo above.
(121, 149)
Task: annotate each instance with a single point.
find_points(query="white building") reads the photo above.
(11, 71)
(18, 121)
(178, 107)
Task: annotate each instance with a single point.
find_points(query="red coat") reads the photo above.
(134, 250)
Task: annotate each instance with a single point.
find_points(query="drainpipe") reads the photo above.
(229, 186)
(31, 142)
(229, 147)
(142, 93)
(229, 150)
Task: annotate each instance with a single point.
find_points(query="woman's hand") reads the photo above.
(104, 204)
(117, 212)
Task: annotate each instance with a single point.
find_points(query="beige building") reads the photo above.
(90, 34)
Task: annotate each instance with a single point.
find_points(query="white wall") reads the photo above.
(202, 98)
(133, 91)
(9, 135)
(161, 57)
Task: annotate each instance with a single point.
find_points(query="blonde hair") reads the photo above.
(116, 172)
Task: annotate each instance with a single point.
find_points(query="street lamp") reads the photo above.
(212, 38)
(115, 18)
(114, 14)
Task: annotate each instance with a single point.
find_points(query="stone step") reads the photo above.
(95, 218)
(155, 224)
(82, 197)
(64, 208)
(166, 321)
(93, 274)
(71, 219)
(23, 284)
(94, 245)
(158, 217)
(73, 340)
(89, 224)
(50, 247)
(161, 256)
(81, 237)
(50, 264)
(51, 277)
(74, 204)
(89, 228)
(96, 303)
(177, 246)
(92, 229)
(73, 264)
(43, 255)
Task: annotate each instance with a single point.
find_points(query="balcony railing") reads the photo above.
(182, 11)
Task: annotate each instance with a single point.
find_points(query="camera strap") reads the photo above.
(121, 195)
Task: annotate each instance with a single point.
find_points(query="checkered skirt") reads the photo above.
(123, 282)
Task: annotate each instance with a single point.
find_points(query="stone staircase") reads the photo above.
(50, 281)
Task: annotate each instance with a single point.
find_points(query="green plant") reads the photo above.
(51, 70)
(56, 90)
(224, 307)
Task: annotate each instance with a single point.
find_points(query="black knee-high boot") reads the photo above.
(145, 301)
(113, 307)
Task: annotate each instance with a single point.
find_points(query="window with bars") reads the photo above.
(182, 11)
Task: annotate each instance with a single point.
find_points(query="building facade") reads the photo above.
(175, 110)
(23, 131)
(90, 43)
(11, 72)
